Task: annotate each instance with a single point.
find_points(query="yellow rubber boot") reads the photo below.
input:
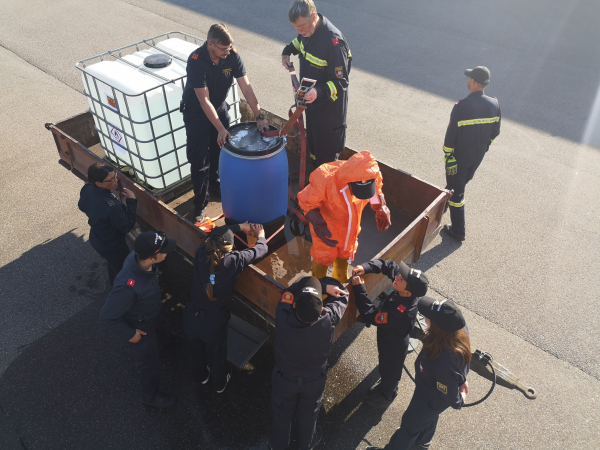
(340, 270)
(319, 270)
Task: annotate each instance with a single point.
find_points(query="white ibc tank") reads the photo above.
(136, 111)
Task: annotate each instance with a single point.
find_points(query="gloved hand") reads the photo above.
(320, 226)
(382, 214)
(451, 164)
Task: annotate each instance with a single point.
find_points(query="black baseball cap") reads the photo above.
(150, 242)
(480, 74)
(444, 313)
(225, 233)
(309, 304)
(363, 190)
(416, 281)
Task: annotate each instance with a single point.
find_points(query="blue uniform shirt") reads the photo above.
(108, 218)
(218, 78)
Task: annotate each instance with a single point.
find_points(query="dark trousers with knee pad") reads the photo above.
(299, 397)
(458, 182)
(203, 151)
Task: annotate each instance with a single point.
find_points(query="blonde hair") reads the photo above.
(216, 248)
(457, 342)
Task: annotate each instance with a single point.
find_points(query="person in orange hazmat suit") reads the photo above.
(333, 203)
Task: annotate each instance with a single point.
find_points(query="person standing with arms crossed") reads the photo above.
(210, 73)
(474, 124)
(325, 57)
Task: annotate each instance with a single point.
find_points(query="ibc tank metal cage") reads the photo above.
(124, 132)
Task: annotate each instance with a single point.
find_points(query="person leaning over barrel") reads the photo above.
(109, 219)
(440, 374)
(394, 321)
(216, 269)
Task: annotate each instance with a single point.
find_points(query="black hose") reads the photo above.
(481, 400)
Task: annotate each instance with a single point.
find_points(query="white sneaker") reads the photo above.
(207, 376)
(226, 381)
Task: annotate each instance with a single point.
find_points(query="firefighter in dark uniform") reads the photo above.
(325, 57)
(474, 124)
(394, 321)
(132, 308)
(217, 268)
(304, 329)
(210, 73)
(441, 371)
(109, 219)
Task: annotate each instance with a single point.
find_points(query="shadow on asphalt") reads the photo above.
(531, 48)
(436, 254)
(75, 387)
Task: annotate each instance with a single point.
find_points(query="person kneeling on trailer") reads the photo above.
(216, 270)
(333, 203)
(440, 374)
(394, 321)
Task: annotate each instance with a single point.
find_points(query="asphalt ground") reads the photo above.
(525, 277)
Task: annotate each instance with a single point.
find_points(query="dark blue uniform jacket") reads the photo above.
(134, 301)
(109, 219)
(302, 350)
(440, 378)
(226, 274)
(398, 313)
(325, 57)
(218, 78)
(474, 124)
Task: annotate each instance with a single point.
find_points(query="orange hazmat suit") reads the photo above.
(329, 191)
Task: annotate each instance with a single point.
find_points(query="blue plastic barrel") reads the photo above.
(254, 175)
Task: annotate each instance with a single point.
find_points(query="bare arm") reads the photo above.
(211, 113)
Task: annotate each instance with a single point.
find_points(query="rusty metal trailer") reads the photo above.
(416, 206)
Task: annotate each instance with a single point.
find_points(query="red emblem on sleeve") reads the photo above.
(381, 318)
(335, 41)
(195, 56)
(131, 282)
(401, 308)
(287, 297)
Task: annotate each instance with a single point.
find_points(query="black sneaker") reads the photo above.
(316, 437)
(226, 382)
(450, 232)
(161, 400)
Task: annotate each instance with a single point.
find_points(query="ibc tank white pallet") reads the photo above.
(136, 108)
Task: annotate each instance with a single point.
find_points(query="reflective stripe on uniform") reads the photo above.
(343, 191)
(332, 90)
(311, 58)
(457, 205)
(296, 44)
(463, 123)
(448, 149)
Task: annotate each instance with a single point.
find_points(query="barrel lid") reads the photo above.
(246, 140)
(157, 61)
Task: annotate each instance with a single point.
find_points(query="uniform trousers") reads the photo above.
(325, 135)
(392, 349)
(203, 152)
(418, 422)
(206, 342)
(147, 364)
(114, 259)
(458, 182)
(299, 397)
